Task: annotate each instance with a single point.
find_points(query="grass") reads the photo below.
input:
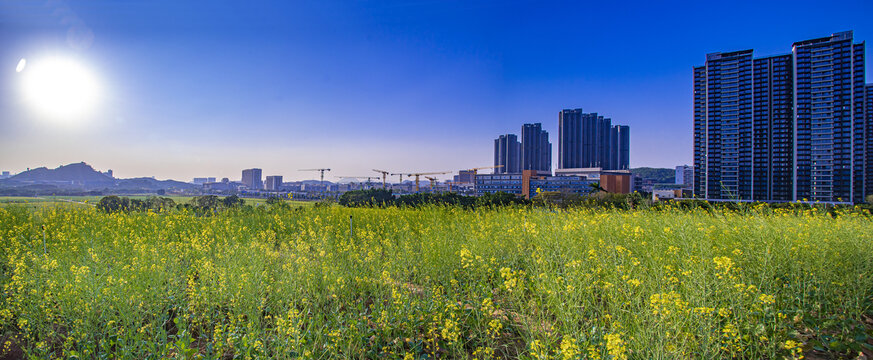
(435, 283)
(76, 200)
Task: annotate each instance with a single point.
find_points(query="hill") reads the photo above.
(659, 175)
(81, 177)
(78, 172)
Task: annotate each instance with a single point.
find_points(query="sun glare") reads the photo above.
(59, 89)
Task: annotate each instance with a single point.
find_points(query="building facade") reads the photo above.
(536, 150)
(588, 140)
(507, 154)
(684, 175)
(465, 177)
(619, 148)
(527, 184)
(251, 178)
(782, 128)
(868, 166)
(273, 183)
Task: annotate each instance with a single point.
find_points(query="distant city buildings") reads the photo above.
(784, 128)
(536, 150)
(465, 177)
(685, 175)
(273, 183)
(507, 152)
(251, 178)
(588, 140)
(5, 175)
(203, 180)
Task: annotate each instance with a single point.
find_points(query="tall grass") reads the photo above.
(433, 283)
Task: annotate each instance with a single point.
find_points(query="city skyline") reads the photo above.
(406, 87)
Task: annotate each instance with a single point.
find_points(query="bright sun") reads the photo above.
(58, 88)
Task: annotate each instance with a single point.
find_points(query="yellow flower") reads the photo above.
(616, 347)
(569, 348)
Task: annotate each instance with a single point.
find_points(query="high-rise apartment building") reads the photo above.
(782, 128)
(536, 150)
(587, 140)
(273, 183)
(868, 166)
(619, 148)
(251, 178)
(684, 175)
(507, 152)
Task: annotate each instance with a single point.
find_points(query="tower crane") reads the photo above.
(432, 182)
(384, 176)
(476, 169)
(426, 173)
(319, 170)
(399, 176)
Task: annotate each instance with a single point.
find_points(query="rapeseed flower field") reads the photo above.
(434, 282)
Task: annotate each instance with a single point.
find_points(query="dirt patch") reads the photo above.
(12, 351)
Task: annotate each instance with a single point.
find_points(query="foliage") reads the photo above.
(206, 204)
(659, 175)
(112, 203)
(436, 282)
(372, 197)
(232, 201)
(379, 197)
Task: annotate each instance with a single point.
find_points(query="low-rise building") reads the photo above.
(529, 182)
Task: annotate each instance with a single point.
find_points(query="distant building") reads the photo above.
(224, 186)
(591, 172)
(5, 175)
(507, 152)
(251, 178)
(641, 184)
(616, 182)
(868, 167)
(108, 173)
(783, 128)
(201, 181)
(536, 150)
(588, 140)
(685, 175)
(492, 183)
(273, 183)
(465, 177)
(528, 182)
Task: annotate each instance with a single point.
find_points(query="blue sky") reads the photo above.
(209, 88)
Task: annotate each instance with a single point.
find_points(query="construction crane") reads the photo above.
(384, 176)
(319, 170)
(476, 169)
(432, 182)
(369, 178)
(399, 176)
(427, 173)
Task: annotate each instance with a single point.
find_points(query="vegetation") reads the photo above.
(382, 198)
(111, 204)
(434, 282)
(659, 175)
